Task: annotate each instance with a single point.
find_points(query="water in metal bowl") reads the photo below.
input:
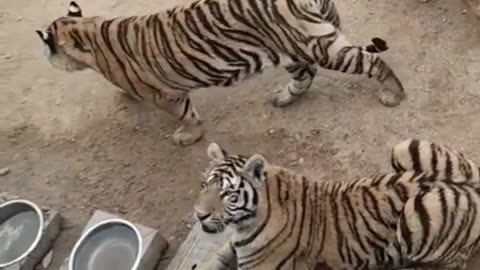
(21, 225)
(110, 245)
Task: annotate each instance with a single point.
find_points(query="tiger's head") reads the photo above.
(229, 190)
(66, 44)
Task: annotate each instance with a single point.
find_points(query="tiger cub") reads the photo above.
(423, 216)
(161, 57)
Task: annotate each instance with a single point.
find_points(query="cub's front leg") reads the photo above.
(223, 259)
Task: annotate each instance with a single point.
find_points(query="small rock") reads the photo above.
(47, 260)
(292, 157)
(4, 171)
(19, 18)
(7, 56)
(300, 161)
(464, 11)
(271, 131)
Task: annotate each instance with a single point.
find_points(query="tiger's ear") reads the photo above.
(45, 36)
(74, 10)
(256, 168)
(48, 39)
(216, 153)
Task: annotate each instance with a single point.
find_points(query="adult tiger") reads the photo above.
(161, 57)
(405, 220)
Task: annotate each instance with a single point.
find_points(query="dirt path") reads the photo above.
(72, 143)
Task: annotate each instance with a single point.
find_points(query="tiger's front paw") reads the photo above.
(281, 101)
(392, 91)
(283, 97)
(188, 135)
(389, 98)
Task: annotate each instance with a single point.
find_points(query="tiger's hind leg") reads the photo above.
(436, 229)
(434, 159)
(182, 108)
(302, 77)
(337, 53)
(303, 74)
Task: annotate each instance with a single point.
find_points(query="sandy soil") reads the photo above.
(72, 143)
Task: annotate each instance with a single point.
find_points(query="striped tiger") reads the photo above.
(410, 219)
(161, 57)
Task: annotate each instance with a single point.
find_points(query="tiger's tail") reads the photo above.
(378, 45)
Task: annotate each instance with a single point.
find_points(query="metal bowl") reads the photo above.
(111, 244)
(21, 226)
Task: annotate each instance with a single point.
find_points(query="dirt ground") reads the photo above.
(72, 143)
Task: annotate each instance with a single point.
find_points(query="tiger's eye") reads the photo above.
(233, 198)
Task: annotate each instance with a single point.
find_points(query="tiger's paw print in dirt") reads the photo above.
(162, 57)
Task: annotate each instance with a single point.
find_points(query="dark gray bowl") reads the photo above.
(21, 226)
(112, 244)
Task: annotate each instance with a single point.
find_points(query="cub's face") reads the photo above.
(64, 46)
(227, 194)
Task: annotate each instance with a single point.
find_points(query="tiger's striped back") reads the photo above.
(437, 160)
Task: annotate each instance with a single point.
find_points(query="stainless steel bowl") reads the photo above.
(21, 227)
(112, 244)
